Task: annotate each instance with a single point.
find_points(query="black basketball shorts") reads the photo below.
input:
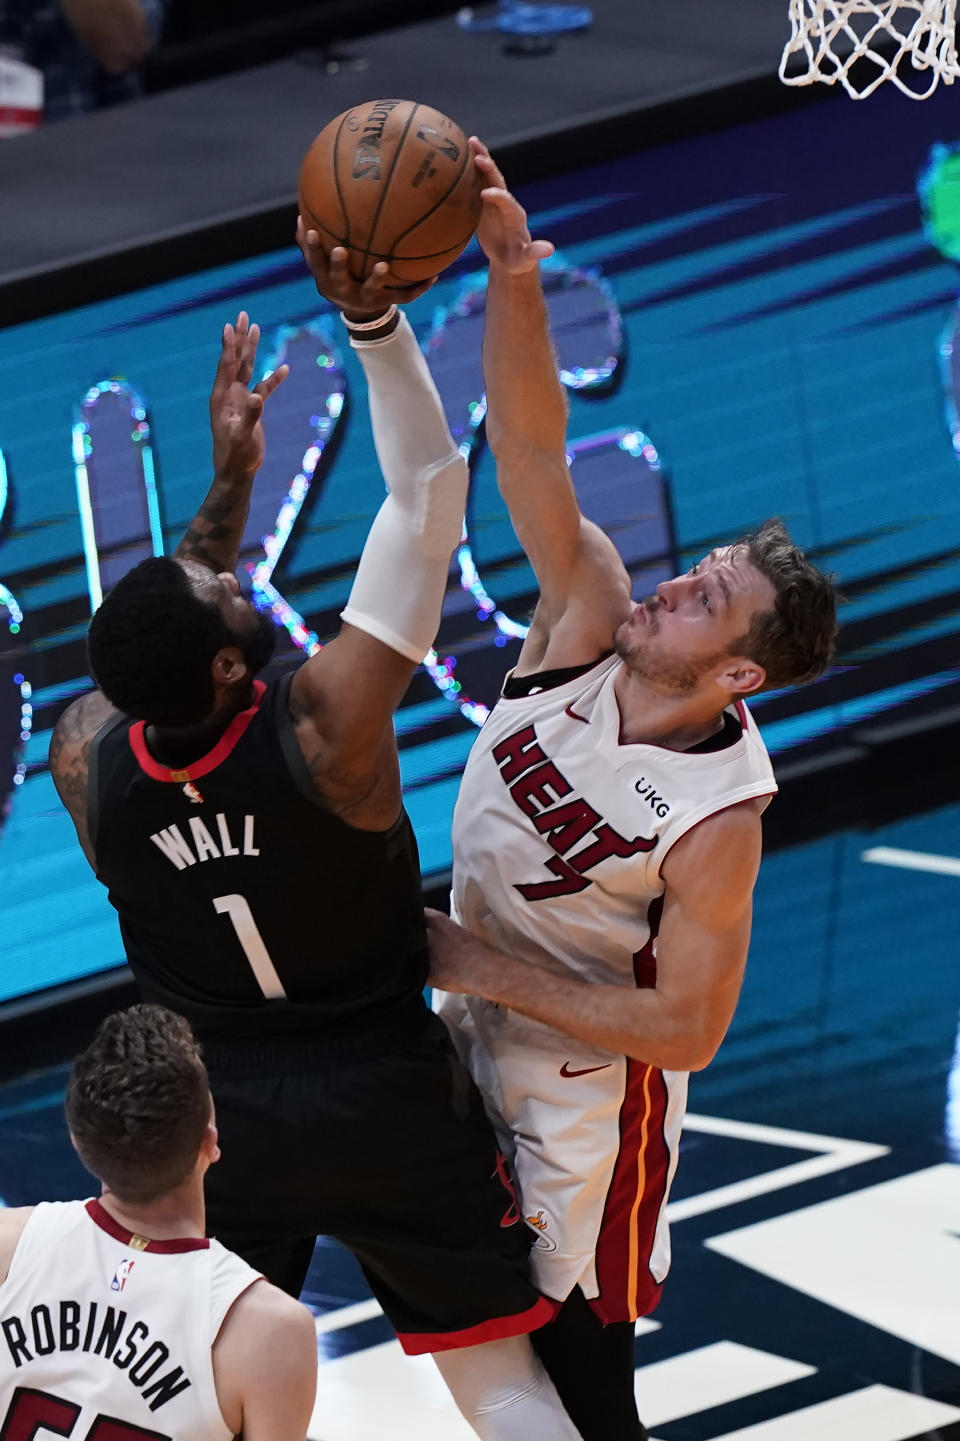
(387, 1148)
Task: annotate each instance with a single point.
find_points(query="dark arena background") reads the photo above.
(752, 318)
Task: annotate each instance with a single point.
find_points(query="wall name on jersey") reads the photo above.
(72, 1326)
(535, 783)
(179, 852)
(647, 792)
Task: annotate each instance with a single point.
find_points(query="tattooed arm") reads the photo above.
(69, 757)
(213, 537)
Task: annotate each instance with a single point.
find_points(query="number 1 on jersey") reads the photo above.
(238, 909)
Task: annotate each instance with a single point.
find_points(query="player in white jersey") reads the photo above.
(119, 1320)
(606, 843)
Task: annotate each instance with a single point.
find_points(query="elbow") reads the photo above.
(692, 1052)
(699, 1058)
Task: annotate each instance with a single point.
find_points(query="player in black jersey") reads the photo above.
(254, 843)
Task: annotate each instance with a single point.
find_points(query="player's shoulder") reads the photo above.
(12, 1225)
(78, 724)
(265, 1315)
(724, 827)
(265, 1361)
(720, 854)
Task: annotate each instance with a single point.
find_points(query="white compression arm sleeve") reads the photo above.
(501, 1388)
(398, 589)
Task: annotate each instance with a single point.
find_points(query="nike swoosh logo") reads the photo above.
(573, 715)
(566, 1071)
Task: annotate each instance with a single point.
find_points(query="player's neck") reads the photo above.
(180, 745)
(179, 1215)
(675, 721)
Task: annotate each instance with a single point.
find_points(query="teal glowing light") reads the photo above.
(939, 191)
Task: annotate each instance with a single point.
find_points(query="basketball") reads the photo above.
(392, 180)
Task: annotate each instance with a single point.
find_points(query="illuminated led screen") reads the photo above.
(740, 334)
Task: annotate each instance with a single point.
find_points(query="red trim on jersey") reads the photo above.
(626, 1287)
(102, 1217)
(741, 712)
(207, 763)
(29, 118)
(418, 1343)
(645, 961)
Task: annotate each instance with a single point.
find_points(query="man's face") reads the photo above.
(685, 632)
(251, 630)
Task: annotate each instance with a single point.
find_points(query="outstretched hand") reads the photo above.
(502, 232)
(359, 300)
(235, 408)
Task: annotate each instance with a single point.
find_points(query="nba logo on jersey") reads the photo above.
(121, 1274)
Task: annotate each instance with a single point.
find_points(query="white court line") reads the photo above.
(769, 1135)
(346, 1316)
(366, 1310)
(886, 1254)
(379, 1392)
(836, 1154)
(912, 860)
(877, 1413)
(710, 1376)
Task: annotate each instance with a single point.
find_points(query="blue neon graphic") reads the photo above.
(18, 721)
(120, 523)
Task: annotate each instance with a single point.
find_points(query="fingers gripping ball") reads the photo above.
(392, 180)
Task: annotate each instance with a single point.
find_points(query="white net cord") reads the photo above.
(894, 36)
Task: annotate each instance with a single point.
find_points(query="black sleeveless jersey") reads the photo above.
(244, 903)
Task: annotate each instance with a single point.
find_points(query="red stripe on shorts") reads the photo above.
(638, 1185)
(416, 1343)
(626, 1287)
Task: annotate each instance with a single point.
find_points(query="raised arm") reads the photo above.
(214, 535)
(343, 699)
(676, 1025)
(213, 538)
(584, 587)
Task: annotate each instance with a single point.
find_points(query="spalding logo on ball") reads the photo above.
(392, 180)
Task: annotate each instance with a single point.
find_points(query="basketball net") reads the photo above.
(834, 35)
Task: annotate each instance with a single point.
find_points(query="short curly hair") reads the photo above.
(795, 641)
(151, 645)
(138, 1103)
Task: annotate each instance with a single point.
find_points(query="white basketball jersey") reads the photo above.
(560, 832)
(559, 837)
(105, 1336)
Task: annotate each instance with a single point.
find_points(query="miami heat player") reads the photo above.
(606, 843)
(119, 1320)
